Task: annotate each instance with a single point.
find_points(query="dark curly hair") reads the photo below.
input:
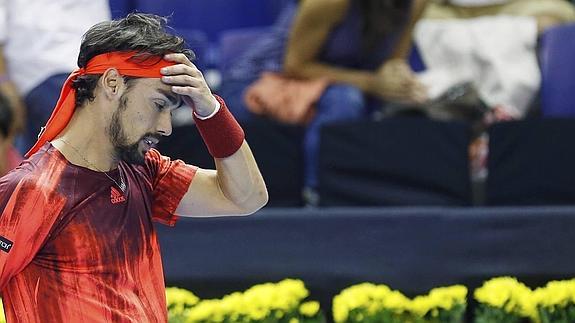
(144, 33)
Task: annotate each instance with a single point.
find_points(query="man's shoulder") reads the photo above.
(32, 171)
(10, 181)
(24, 170)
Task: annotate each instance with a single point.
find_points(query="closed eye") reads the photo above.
(160, 104)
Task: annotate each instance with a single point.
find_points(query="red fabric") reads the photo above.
(221, 133)
(79, 253)
(171, 180)
(126, 64)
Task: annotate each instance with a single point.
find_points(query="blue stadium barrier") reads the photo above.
(409, 249)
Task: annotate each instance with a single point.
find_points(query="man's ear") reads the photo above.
(112, 83)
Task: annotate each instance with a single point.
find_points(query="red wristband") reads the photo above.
(221, 133)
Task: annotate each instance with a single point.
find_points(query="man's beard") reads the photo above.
(125, 151)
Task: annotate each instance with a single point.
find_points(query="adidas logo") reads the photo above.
(5, 244)
(116, 196)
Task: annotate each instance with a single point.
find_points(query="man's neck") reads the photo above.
(84, 142)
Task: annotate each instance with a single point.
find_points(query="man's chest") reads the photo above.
(100, 231)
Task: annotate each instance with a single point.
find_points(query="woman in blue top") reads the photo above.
(361, 47)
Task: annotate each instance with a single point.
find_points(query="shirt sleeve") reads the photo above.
(29, 209)
(170, 182)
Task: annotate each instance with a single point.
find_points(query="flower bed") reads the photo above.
(499, 300)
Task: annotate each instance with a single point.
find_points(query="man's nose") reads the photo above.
(165, 123)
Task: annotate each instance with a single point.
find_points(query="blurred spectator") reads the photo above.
(263, 55)
(39, 44)
(361, 48)
(491, 43)
(9, 157)
(346, 57)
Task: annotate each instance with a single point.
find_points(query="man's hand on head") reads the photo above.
(187, 81)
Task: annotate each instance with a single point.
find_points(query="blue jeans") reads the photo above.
(338, 103)
(40, 103)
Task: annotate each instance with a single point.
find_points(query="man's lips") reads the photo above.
(151, 142)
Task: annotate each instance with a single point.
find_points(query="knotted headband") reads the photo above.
(124, 62)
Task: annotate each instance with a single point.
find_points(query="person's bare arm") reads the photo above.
(396, 73)
(310, 30)
(313, 23)
(406, 39)
(236, 186)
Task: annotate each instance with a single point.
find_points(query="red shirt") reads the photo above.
(74, 249)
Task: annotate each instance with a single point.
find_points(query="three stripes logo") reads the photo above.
(116, 196)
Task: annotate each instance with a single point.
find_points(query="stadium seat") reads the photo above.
(556, 50)
(214, 16)
(233, 43)
(120, 8)
(198, 41)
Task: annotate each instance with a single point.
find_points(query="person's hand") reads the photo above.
(187, 81)
(396, 82)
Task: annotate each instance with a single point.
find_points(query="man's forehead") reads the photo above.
(165, 90)
(157, 85)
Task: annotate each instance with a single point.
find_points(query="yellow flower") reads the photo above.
(421, 305)
(506, 293)
(309, 309)
(206, 310)
(2, 316)
(366, 300)
(340, 310)
(233, 302)
(442, 298)
(179, 300)
(448, 297)
(259, 303)
(396, 302)
(258, 313)
(555, 295)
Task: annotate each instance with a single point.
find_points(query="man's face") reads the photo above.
(142, 118)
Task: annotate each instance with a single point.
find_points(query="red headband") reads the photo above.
(124, 62)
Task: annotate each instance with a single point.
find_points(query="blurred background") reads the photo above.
(416, 143)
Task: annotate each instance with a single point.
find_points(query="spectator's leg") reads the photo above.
(338, 103)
